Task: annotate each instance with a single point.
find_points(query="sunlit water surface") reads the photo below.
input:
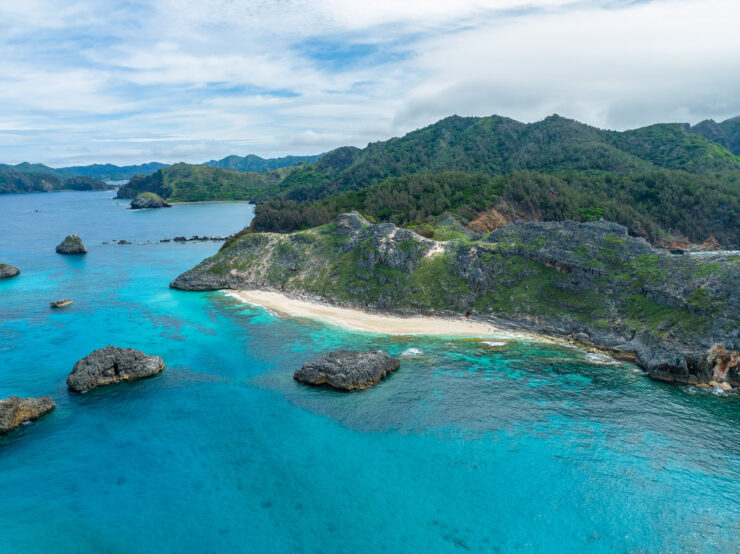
(468, 447)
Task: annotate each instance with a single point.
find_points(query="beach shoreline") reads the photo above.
(359, 320)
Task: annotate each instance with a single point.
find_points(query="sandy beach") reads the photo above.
(370, 322)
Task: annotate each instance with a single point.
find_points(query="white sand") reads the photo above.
(370, 322)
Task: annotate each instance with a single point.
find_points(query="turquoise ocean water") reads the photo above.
(467, 448)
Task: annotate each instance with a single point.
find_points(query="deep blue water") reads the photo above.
(528, 447)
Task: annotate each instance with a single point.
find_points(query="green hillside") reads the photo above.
(196, 183)
(659, 181)
(14, 181)
(726, 134)
(663, 181)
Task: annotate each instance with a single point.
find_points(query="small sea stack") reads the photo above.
(7, 271)
(148, 200)
(72, 244)
(348, 370)
(112, 364)
(60, 303)
(14, 411)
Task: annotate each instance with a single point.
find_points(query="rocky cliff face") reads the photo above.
(677, 315)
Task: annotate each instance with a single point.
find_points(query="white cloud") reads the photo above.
(86, 80)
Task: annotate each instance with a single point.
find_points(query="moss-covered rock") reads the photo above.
(72, 244)
(148, 200)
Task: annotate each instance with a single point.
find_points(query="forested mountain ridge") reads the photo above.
(12, 181)
(95, 171)
(663, 181)
(105, 172)
(497, 145)
(254, 163)
(726, 134)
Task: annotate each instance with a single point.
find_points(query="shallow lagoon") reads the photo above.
(468, 447)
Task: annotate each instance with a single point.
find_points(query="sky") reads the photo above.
(132, 81)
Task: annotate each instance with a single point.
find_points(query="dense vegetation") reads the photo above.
(726, 134)
(658, 181)
(111, 172)
(12, 181)
(103, 172)
(650, 204)
(193, 183)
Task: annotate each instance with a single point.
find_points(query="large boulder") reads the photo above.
(72, 244)
(147, 200)
(348, 370)
(14, 411)
(8, 271)
(112, 365)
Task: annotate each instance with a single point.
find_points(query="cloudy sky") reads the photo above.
(131, 81)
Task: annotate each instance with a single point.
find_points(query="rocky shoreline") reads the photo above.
(590, 284)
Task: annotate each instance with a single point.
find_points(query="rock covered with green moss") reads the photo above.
(7, 271)
(589, 282)
(148, 200)
(72, 244)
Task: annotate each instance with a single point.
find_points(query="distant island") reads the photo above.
(27, 177)
(12, 181)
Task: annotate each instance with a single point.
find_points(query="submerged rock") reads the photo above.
(15, 410)
(72, 244)
(8, 271)
(348, 370)
(112, 365)
(60, 303)
(148, 200)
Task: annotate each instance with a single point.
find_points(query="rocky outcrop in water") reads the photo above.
(348, 370)
(7, 271)
(14, 411)
(148, 200)
(112, 365)
(72, 244)
(60, 303)
(590, 283)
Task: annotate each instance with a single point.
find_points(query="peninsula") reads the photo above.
(676, 315)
